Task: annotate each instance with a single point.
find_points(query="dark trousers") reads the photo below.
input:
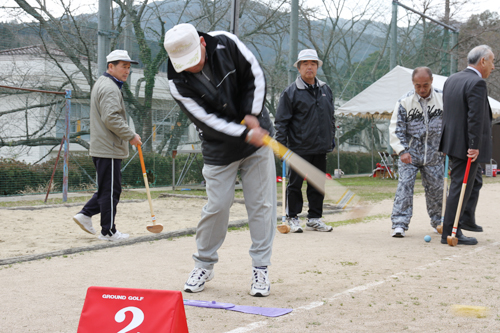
(109, 188)
(458, 167)
(469, 216)
(294, 190)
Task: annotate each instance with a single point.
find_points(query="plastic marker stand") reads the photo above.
(122, 310)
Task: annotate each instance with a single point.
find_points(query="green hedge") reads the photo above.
(18, 177)
(22, 178)
(350, 163)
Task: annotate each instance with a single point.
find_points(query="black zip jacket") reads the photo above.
(305, 121)
(241, 90)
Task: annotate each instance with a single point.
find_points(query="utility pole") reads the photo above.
(394, 34)
(235, 16)
(445, 54)
(453, 52)
(104, 27)
(67, 124)
(127, 43)
(454, 36)
(445, 66)
(294, 40)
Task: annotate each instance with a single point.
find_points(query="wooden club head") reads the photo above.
(452, 240)
(157, 228)
(283, 228)
(439, 229)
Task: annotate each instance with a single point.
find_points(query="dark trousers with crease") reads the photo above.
(469, 216)
(458, 167)
(109, 189)
(294, 190)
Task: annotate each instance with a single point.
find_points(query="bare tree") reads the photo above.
(340, 43)
(480, 29)
(76, 39)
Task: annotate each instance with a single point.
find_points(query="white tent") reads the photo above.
(380, 98)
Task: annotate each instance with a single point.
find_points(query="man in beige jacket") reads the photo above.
(109, 139)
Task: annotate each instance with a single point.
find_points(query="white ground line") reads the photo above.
(358, 289)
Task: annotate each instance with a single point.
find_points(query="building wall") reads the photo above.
(20, 68)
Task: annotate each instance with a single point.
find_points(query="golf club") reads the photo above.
(283, 227)
(439, 228)
(155, 228)
(453, 240)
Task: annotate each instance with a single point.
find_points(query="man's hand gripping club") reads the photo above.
(256, 133)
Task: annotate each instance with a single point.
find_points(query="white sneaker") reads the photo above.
(294, 224)
(261, 286)
(84, 222)
(316, 224)
(197, 279)
(398, 232)
(118, 236)
(435, 230)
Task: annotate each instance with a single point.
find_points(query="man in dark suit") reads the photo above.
(466, 131)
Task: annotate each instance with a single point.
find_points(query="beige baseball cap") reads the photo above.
(120, 55)
(182, 44)
(308, 54)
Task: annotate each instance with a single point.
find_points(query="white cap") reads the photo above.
(182, 44)
(308, 54)
(119, 55)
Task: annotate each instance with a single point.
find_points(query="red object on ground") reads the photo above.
(279, 179)
(382, 169)
(328, 176)
(108, 309)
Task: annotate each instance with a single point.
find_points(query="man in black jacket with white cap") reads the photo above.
(218, 83)
(305, 123)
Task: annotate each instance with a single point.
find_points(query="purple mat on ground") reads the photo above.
(268, 312)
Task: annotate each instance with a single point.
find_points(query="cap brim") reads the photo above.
(320, 63)
(125, 60)
(131, 61)
(186, 61)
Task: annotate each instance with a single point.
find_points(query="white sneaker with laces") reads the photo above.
(316, 224)
(117, 236)
(398, 232)
(197, 279)
(84, 222)
(294, 224)
(261, 286)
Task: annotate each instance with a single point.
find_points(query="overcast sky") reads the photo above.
(82, 6)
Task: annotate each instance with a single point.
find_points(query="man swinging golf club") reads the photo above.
(218, 82)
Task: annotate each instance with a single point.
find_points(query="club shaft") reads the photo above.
(146, 183)
(461, 200)
(283, 186)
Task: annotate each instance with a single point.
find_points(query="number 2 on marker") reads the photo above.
(137, 318)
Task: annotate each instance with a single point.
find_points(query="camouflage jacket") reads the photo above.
(418, 131)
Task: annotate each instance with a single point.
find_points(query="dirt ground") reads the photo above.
(354, 279)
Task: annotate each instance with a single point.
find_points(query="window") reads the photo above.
(355, 140)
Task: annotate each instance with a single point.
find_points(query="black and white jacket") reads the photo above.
(418, 131)
(241, 91)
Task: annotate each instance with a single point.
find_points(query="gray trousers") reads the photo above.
(258, 176)
(432, 180)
